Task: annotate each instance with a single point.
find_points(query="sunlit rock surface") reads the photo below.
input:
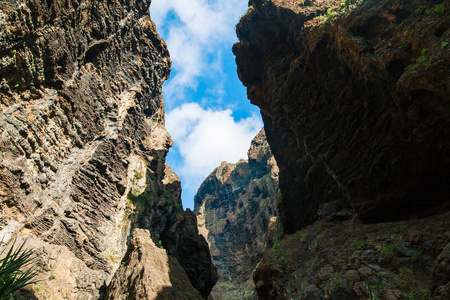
(147, 272)
(83, 143)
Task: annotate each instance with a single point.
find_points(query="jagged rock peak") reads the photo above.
(83, 143)
(234, 206)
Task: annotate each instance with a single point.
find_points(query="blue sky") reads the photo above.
(207, 111)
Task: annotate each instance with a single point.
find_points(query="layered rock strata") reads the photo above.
(355, 101)
(235, 206)
(354, 98)
(83, 143)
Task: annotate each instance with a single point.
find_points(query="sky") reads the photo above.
(208, 114)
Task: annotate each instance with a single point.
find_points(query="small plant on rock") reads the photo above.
(159, 245)
(376, 292)
(387, 251)
(422, 61)
(358, 245)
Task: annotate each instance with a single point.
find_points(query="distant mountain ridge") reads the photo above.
(235, 205)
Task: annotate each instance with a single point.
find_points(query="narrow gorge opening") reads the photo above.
(213, 125)
(208, 114)
(349, 201)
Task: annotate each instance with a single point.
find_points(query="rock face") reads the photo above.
(355, 104)
(83, 143)
(149, 273)
(342, 259)
(234, 206)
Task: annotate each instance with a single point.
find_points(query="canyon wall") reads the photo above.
(83, 143)
(235, 205)
(355, 102)
(355, 99)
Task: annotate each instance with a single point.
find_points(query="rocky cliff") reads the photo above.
(83, 143)
(354, 98)
(235, 205)
(355, 101)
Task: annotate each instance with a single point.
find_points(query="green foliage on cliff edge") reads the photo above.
(142, 198)
(17, 269)
(423, 61)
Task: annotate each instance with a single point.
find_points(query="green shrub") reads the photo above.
(337, 284)
(417, 254)
(422, 61)
(437, 9)
(17, 269)
(376, 292)
(387, 251)
(189, 295)
(141, 198)
(409, 285)
(358, 245)
(400, 229)
(159, 245)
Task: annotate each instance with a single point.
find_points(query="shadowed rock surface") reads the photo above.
(83, 143)
(235, 206)
(344, 259)
(354, 97)
(355, 105)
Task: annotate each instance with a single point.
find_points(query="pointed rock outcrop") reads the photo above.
(235, 205)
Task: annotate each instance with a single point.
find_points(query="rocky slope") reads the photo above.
(235, 206)
(336, 258)
(355, 101)
(83, 143)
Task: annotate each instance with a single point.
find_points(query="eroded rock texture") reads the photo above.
(337, 259)
(235, 206)
(355, 105)
(149, 273)
(83, 143)
(355, 102)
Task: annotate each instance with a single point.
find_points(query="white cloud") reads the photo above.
(194, 36)
(204, 138)
(199, 35)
